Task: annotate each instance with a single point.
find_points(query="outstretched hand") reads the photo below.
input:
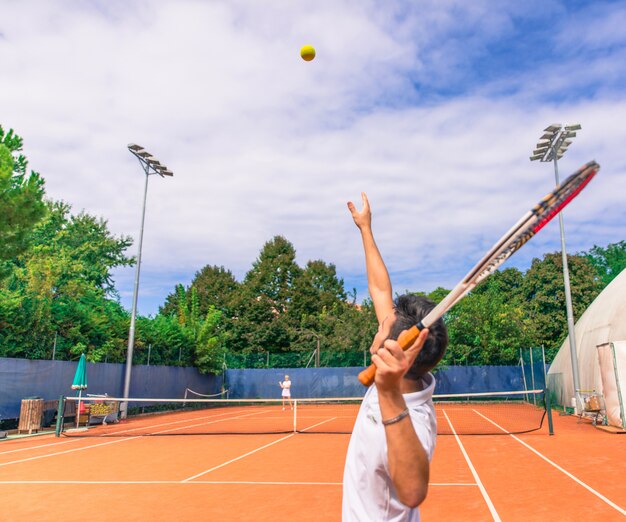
(361, 218)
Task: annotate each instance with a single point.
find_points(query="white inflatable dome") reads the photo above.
(604, 322)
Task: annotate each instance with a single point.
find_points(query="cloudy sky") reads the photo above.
(431, 107)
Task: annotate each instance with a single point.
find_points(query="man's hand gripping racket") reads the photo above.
(531, 223)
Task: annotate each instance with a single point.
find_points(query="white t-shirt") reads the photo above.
(286, 388)
(368, 491)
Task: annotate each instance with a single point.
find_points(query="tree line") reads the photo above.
(57, 296)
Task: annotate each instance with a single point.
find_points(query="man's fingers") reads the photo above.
(379, 361)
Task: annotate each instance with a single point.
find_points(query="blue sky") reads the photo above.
(431, 107)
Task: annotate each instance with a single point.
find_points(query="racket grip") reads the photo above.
(405, 340)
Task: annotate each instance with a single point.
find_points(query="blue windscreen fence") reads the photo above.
(48, 380)
(22, 378)
(343, 382)
(306, 383)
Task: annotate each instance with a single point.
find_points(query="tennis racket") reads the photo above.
(531, 223)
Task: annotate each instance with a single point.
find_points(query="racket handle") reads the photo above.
(405, 340)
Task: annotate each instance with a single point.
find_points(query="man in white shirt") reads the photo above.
(388, 460)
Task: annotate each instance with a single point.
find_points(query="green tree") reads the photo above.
(544, 293)
(171, 343)
(608, 261)
(316, 289)
(349, 334)
(21, 197)
(214, 286)
(58, 289)
(486, 328)
(274, 272)
(210, 345)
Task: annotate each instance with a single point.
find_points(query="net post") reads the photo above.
(59, 425)
(295, 415)
(546, 392)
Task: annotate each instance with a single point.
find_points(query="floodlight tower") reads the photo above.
(150, 166)
(551, 147)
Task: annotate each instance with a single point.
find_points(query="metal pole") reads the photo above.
(568, 302)
(521, 361)
(80, 392)
(317, 353)
(532, 373)
(133, 314)
(149, 350)
(545, 373)
(54, 346)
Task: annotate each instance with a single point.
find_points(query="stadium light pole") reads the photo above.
(150, 166)
(551, 147)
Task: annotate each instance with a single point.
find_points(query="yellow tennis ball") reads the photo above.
(307, 52)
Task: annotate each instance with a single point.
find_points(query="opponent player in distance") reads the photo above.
(388, 461)
(286, 393)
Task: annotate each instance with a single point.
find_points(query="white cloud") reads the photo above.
(262, 143)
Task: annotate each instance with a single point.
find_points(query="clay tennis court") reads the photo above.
(577, 474)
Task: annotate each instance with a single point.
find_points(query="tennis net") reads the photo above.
(462, 414)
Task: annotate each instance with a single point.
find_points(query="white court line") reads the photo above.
(318, 424)
(209, 422)
(253, 451)
(452, 484)
(187, 420)
(209, 482)
(124, 439)
(129, 430)
(215, 482)
(238, 458)
(490, 505)
(575, 479)
(40, 446)
(66, 451)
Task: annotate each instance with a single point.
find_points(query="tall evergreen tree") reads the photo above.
(274, 272)
(21, 197)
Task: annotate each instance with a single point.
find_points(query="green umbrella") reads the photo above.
(80, 377)
(80, 383)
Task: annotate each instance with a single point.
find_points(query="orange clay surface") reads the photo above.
(577, 474)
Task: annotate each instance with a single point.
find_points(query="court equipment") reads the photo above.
(307, 52)
(461, 414)
(531, 223)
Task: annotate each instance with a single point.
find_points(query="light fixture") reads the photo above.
(554, 151)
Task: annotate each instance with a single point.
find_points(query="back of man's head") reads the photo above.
(410, 310)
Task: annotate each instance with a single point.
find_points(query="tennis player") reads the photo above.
(388, 460)
(286, 386)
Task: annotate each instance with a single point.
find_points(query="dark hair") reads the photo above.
(411, 309)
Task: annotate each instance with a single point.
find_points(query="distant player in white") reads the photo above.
(286, 386)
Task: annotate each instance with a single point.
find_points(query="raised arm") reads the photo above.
(378, 281)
